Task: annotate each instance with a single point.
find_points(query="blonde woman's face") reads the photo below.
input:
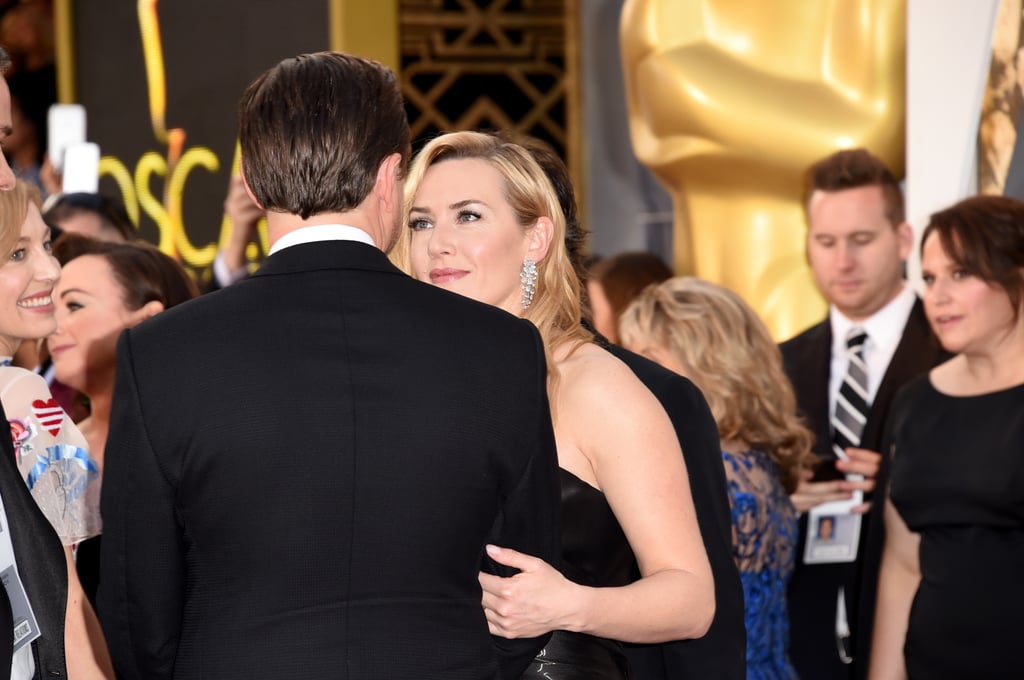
(27, 277)
(465, 236)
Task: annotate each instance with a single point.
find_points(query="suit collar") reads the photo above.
(818, 363)
(322, 232)
(327, 255)
(884, 327)
(918, 350)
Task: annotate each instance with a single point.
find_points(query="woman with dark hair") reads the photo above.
(105, 288)
(614, 282)
(951, 583)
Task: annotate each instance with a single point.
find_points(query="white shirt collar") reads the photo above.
(884, 327)
(321, 232)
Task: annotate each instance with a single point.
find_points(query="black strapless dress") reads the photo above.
(595, 553)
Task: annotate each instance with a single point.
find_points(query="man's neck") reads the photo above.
(279, 223)
(861, 318)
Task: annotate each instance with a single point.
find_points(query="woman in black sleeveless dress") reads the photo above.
(484, 222)
(951, 587)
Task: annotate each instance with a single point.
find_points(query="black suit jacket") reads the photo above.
(812, 590)
(721, 653)
(307, 490)
(41, 566)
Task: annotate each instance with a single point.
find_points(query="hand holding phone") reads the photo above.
(65, 126)
(81, 168)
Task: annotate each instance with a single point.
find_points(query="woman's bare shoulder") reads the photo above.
(593, 383)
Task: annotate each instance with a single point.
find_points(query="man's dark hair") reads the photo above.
(314, 130)
(852, 169)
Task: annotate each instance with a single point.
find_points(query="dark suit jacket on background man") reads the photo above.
(812, 591)
(721, 653)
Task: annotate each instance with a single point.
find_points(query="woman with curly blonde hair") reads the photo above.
(485, 222)
(708, 334)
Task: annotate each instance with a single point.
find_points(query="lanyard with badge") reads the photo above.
(833, 530)
(26, 628)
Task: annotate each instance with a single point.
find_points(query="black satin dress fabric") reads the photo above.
(87, 564)
(595, 553)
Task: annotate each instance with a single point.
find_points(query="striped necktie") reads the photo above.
(852, 401)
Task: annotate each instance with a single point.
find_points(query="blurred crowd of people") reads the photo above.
(490, 455)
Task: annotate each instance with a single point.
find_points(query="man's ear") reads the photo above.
(905, 234)
(245, 183)
(540, 238)
(151, 308)
(387, 178)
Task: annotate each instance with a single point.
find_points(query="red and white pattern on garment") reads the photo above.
(53, 456)
(49, 414)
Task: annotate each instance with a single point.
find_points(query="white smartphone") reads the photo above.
(65, 126)
(81, 168)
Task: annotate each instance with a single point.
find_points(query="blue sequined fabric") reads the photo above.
(764, 526)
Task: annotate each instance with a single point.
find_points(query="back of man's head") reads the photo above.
(314, 130)
(852, 169)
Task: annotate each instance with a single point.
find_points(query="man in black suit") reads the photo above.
(309, 490)
(857, 242)
(721, 652)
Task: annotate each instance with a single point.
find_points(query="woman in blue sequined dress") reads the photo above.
(708, 334)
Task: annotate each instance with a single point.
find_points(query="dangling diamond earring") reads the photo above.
(528, 277)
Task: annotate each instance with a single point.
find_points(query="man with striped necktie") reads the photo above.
(845, 371)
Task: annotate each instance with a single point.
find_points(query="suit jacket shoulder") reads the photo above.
(721, 653)
(917, 352)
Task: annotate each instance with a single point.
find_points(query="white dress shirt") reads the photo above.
(884, 329)
(321, 232)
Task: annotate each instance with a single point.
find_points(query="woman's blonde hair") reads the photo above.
(556, 304)
(13, 211)
(722, 345)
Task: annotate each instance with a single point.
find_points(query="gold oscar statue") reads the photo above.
(730, 101)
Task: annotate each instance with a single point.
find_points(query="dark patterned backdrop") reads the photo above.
(487, 64)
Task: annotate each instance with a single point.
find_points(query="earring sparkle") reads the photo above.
(528, 277)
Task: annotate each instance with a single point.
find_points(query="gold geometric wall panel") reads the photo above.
(487, 64)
